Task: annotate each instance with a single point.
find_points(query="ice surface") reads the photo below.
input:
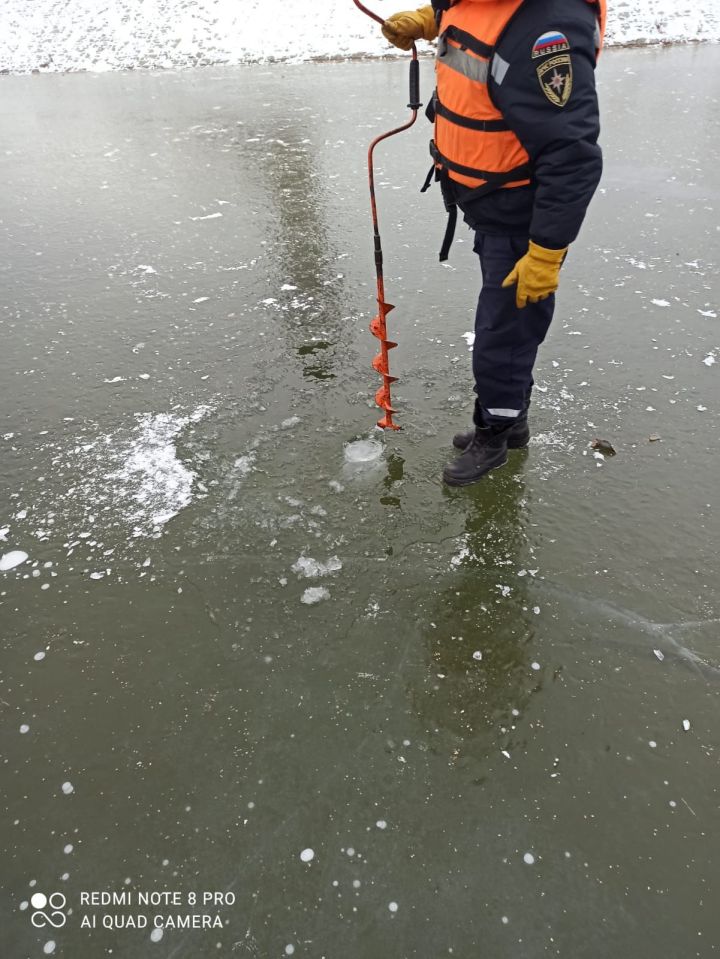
(12, 559)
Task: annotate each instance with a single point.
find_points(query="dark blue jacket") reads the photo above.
(562, 141)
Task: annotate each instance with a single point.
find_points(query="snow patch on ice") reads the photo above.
(314, 594)
(153, 482)
(245, 464)
(12, 559)
(128, 483)
(312, 569)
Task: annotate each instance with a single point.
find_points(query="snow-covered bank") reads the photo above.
(122, 34)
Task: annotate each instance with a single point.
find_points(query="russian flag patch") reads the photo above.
(552, 42)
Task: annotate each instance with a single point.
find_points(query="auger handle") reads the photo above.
(415, 103)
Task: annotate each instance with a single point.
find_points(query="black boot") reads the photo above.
(486, 451)
(518, 435)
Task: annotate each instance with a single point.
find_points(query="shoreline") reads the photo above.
(200, 63)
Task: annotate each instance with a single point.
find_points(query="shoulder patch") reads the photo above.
(552, 42)
(556, 79)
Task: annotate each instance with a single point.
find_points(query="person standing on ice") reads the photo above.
(516, 149)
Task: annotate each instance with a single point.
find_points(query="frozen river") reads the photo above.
(243, 655)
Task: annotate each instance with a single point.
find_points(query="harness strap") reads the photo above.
(468, 42)
(484, 126)
(493, 181)
(521, 172)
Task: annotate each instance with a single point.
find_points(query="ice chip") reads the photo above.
(314, 594)
(311, 568)
(12, 559)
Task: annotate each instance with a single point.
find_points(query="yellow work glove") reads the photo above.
(402, 29)
(537, 274)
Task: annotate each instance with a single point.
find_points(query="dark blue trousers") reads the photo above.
(506, 338)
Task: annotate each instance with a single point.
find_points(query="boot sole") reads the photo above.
(453, 481)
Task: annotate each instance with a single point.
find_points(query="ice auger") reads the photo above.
(378, 326)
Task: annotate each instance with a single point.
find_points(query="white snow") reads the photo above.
(85, 35)
(12, 559)
(307, 855)
(529, 858)
(314, 594)
(393, 906)
(68, 788)
(24, 728)
(244, 464)
(311, 568)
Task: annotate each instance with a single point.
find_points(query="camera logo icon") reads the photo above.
(48, 910)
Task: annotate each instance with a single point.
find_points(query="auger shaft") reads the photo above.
(378, 326)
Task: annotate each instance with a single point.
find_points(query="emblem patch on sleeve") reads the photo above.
(552, 42)
(556, 79)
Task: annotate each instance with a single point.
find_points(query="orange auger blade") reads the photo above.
(378, 326)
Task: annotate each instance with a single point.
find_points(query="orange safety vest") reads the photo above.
(473, 144)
